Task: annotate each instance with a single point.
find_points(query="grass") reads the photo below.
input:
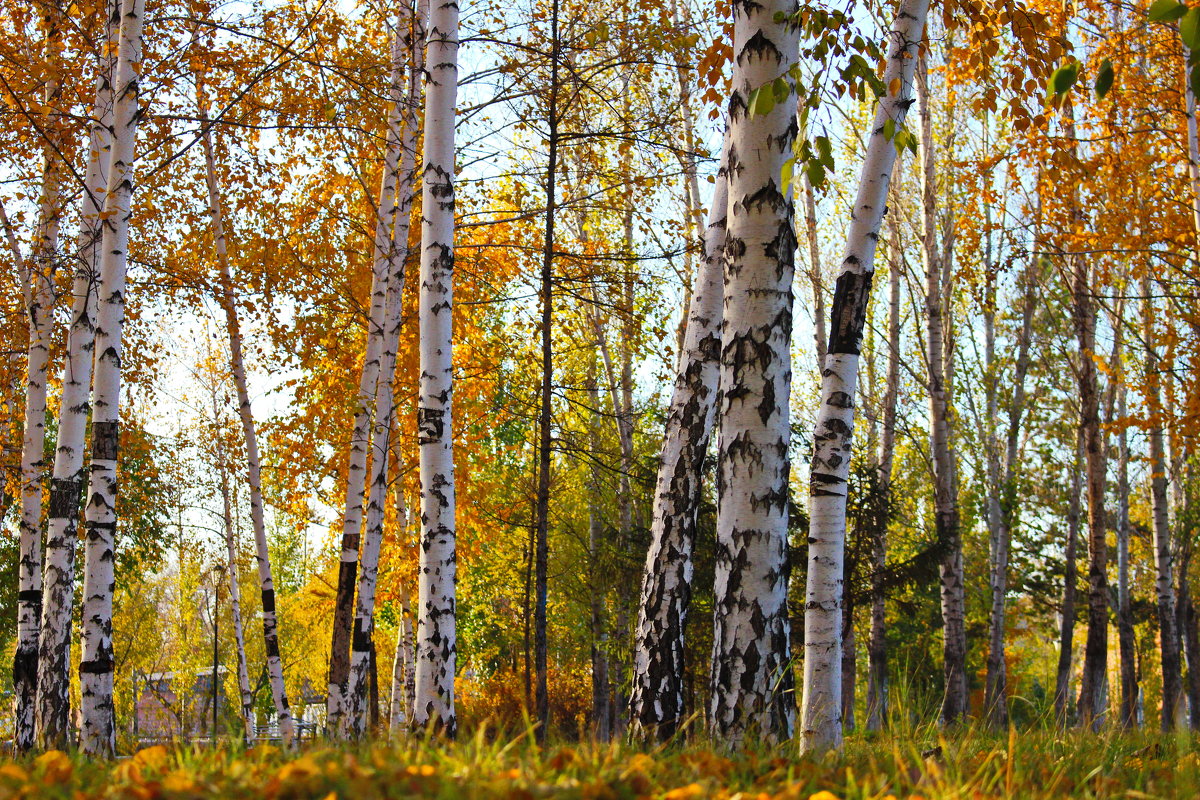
(920, 762)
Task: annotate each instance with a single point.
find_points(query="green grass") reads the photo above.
(969, 763)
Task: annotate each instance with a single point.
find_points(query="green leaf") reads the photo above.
(1166, 10)
(781, 89)
(762, 101)
(889, 129)
(1189, 29)
(1064, 78)
(1194, 79)
(1104, 78)
(815, 173)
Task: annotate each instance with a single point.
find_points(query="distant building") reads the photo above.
(166, 711)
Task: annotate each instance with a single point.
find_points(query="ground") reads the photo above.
(922, 763)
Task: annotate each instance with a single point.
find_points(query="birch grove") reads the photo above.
(494, 478)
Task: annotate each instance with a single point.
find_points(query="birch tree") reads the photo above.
(821, 710)
(394, 221)
(39, 304)
(97, 735)
(1002, 496)
(1066, 639)
(66, 483)
(1173, 711)
(658, 667)
(246, 706)
(436, 640)
(237, 364)
(752, 685)
(954, 641)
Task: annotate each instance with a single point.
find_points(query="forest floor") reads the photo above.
(922, 764)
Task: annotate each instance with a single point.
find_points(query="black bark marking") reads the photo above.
(850, 298)
(105, 437)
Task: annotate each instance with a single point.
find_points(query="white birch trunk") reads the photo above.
(822, 728)
(395, 222)
(402, 673)
(253, 463)
(1127, 646)
(66, 484)
(752, 683)
(946, 501)
(246, 707)
(39, 306)
(97, 736)
(338, 700)
(1173, 712)
(436, 641)
(657, 699)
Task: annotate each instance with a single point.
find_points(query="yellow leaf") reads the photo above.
(54, 765)
(14, 773)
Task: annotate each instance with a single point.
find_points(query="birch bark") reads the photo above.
(66, 483)
(436, 641)
(1002, 505)
(954, 699)
(657, 698)
(1125, 633)
(1083, 313)
(338, 701)
(97, 736)
(246, 708)
(821, 726)
(401, 700)
(395, 222)
(1066, 639)
(39, 304)
(237, 363)
(1173, 712)
(752, 683)
(820, 332)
